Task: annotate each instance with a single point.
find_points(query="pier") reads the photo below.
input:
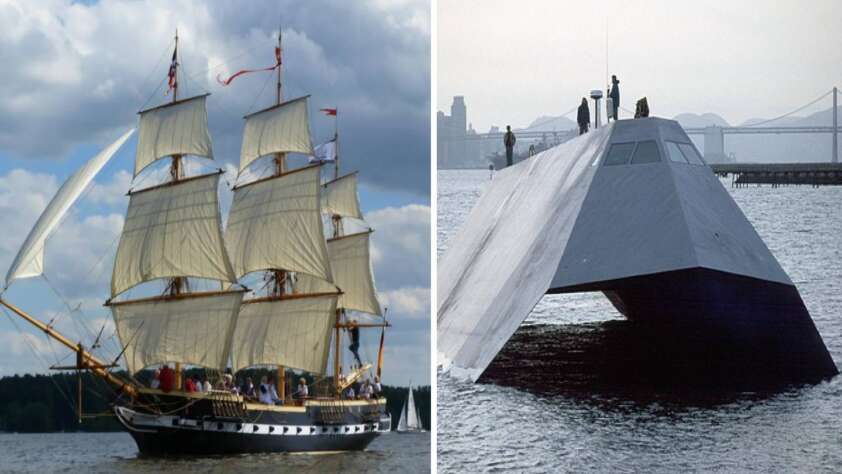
(778, 174)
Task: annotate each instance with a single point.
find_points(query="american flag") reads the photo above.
(173, 66)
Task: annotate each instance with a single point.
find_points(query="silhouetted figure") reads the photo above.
(641, 110)
(509, 141)
(583, 117)
(615, 95)
(354, 330)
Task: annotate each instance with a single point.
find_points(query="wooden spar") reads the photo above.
(279, 275)
(89, 361)
(79, 365)
(365, 325)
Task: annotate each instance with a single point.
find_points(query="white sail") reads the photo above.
(293, 332)
(275, 223)
(283, 128)
(29, 261)
(409, 415)
(172, 230)
(350, 264)
(194, 328)
(179, 128)
(340, 197)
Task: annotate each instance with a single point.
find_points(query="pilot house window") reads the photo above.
(646, 152)
(619, 154)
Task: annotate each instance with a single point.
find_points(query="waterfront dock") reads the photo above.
(779, 174)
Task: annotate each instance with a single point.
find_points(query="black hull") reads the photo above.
(754, 324)
(223, 424)
(174, 442)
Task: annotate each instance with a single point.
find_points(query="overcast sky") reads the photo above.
(76, 74)
(515, 61)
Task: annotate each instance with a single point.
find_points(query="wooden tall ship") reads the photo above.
(173, 234)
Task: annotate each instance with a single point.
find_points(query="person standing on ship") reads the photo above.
(615, 95)
(583, 117)
(509, 141)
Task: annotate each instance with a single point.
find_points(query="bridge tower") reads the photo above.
(835, 157)
(715, 145)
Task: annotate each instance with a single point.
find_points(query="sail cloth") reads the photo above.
(172, 230)
(179, 128)
(350, 262)
(293, 332)
(275, 223)
(194, 329)
(340, 197)
(409, 415)
(283, 128)
(29, 261)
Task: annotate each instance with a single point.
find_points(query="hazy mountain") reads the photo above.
(549, 123)
(703, 120)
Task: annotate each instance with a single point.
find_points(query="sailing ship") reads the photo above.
(410, 421)
(173, 234)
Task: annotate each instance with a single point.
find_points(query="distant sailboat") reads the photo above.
(409, 421)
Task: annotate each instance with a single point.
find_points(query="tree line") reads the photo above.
(47, 403)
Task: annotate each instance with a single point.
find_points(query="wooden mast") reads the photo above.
(177, 284)
(280, 276)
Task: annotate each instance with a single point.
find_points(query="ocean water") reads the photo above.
(117, 453)
(556, 400)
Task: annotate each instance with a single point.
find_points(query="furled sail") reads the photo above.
(172, 230)
(29, 261)
(340, 197)
(177, 128)
(275, 223)
(283, 128)
(195, 329)
(294, 332)
(350, 264)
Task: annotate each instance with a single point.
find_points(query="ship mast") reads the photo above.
(279, 276)
(176, 284)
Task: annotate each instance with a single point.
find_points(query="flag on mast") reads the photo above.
(172, 80)
(329, 111)
(247, 71)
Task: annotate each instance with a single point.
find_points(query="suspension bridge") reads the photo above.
(817, 173)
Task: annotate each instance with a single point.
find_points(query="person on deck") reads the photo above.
(583, 117)
(378, 389)
(349, 392)
(189, 385)
(354, 330)
(248, 390)
(509, 141)
(167, 378)
(206, 387)
(265, 395)
(615, 95)
(273, 391)
(156, 379)
(302, 391)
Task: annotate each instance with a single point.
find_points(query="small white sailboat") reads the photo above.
(410, 421)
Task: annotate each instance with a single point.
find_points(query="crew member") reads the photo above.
(509, 142)
(583, 117)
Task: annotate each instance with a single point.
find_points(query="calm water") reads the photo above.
(117, 452)
(588, 414)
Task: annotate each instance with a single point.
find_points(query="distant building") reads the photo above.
(452, 133)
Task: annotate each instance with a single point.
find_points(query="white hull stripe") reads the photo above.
(145, 422)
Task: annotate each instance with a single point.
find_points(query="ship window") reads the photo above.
(619, 154)
(674, 153)
(646, 152)
(691, 154)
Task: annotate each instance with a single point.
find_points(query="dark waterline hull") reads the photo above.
(208, 426)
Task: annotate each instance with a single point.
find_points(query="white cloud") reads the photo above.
(401, 246)
(408, 303)
(112, 193)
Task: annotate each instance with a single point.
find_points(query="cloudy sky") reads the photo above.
(77, 72)
(737, 59)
